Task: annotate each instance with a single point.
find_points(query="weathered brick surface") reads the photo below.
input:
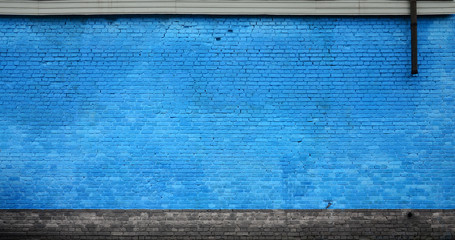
(201, 112)
(227, 224)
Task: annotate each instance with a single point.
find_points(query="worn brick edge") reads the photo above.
(227, 224)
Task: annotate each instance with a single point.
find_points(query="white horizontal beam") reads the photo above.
(222, 7)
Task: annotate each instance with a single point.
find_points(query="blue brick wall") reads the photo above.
(194, 112)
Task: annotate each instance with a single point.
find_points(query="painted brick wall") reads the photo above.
(192, 112)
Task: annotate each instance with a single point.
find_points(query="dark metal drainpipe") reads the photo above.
(414, 36)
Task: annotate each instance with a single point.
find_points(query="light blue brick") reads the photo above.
(181, 113)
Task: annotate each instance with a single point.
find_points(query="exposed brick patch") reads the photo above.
(227, 224)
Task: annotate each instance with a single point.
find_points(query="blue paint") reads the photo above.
(226, 113)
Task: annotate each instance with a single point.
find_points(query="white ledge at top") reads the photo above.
(223, 7)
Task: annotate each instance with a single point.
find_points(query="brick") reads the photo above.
(178, 112)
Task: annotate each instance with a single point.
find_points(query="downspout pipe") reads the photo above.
(413, 6)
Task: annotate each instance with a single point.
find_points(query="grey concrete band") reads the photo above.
(227, 224)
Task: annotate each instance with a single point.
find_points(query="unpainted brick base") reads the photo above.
(227, 224)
